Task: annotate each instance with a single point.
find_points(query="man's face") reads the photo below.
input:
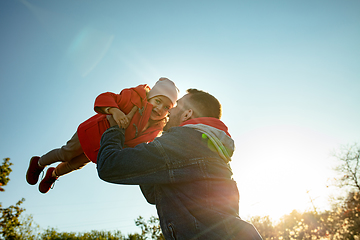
(175, 114)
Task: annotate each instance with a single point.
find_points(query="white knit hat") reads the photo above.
(164, 87)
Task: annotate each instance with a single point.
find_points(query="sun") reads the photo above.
(282, 168)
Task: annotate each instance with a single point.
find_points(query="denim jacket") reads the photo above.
(190, 184)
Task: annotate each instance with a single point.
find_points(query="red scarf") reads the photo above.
(210, 121)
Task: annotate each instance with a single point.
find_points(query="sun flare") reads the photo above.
(282, 168)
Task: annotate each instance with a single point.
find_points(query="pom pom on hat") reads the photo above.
(164, 87)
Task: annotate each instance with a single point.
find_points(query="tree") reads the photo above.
(348, 209)
(150, 228)
(12, 226)
(265, 227)
(51, 234)
(5, 170)
(9, 219)
(28, 229)
(349, 167)
(342, 222)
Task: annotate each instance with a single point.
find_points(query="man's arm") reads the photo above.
(140, 165)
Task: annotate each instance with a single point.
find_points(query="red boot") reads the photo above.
(34, 170)
(48, 181)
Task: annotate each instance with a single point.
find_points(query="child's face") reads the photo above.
(161, 106)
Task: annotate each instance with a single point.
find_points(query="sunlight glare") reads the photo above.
(282, 167)
(88, 48)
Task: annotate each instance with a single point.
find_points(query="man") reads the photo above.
(185, 172)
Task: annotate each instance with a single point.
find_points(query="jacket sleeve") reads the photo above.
(143, 164)
(107, 99)
(149, 193)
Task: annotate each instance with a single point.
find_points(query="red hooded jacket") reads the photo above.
(90, 131)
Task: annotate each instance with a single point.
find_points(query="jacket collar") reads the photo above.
(216, 132)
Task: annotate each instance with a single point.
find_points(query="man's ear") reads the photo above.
(187, 114)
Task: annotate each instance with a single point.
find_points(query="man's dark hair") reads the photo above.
(203, 104)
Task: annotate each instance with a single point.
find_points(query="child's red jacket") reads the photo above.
(90, 131)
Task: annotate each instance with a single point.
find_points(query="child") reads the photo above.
(141, 111)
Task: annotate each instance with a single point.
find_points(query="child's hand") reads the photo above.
(120, 118)
(132, 112)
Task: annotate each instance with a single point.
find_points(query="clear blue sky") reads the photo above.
(286, 72)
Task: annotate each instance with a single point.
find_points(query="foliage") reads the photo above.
(265, 227)
(28, 229)
(13, 226)
(342, 223)
(150, 228)
(52, 234)
(9, 220)
(347, 217)
(5, 170)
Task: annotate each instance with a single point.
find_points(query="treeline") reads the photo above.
(340, 223)
(343, 222)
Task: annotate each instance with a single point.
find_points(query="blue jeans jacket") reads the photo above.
(191, 186)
